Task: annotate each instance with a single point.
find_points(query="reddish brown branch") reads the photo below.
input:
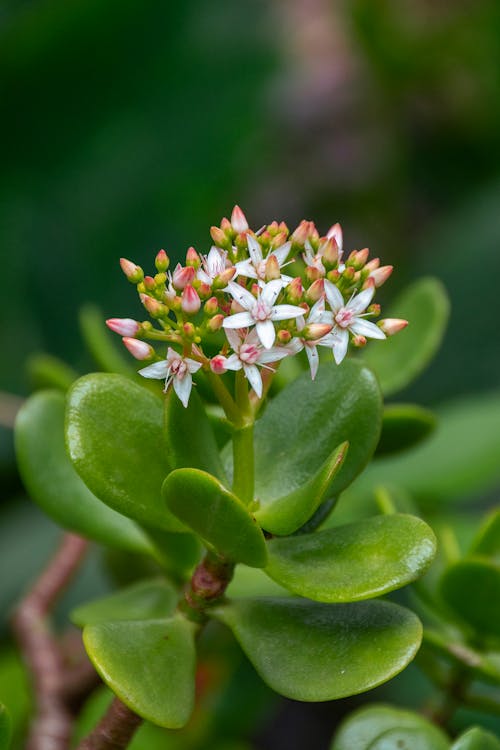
(114, 731)
(52, 724)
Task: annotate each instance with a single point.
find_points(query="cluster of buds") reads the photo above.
(236, 301)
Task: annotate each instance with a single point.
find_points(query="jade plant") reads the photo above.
(221, 462)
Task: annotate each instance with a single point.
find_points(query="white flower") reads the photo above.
(260, 311)
(174, 369)
(248, 353)
(317, 315)
(349, 317)
(213, 265)
(255, 266)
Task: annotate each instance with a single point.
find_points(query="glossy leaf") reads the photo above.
(201, 502)
(480, 607)
(5, 728)
(53, 483)
(189, 436)
(364, 726)
(476, 738)
(400, 359)
(403, 426)
(149, 665)
(487, 539)
(252, 582)
(416, 738)
(299, 431)
(353, 562)
(316, 652)
(144, 600)
(114, 433)
(45, 371)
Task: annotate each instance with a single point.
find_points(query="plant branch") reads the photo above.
(52, 724)
(114, 731)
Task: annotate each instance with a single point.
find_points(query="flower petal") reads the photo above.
(334, 296)
(245, 268)
(266, 333)
(157, 370)
(238, 320)
(254, 378)
(340, 345)
(183, 388)
(271, 291)
(233, 362)
(281, 253)
(241, 295)
(360, 302)
(192, 364)
(254, 249)
(365, 328)
(285, 312)
(274, 354)
(313, 357)
(233, 338)
(316, 311)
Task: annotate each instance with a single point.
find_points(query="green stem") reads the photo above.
(243, 448)
(224, 398)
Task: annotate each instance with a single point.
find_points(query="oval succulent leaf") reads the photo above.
(400, 359)
(476, 738)
(201, 502)
(52, 482)
(480, 578)
(487, 539)
(403, 426)
(309, 651)
(114, 433)
(144, 600)
(353, 562)
(149, 665)
(5, 728)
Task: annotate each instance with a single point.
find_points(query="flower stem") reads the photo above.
(224, 398)
(243, 461)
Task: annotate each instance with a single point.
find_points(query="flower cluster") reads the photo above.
(235, 309)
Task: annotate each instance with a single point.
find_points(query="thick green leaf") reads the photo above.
(189, 436)
(363, 727)
(471, 587)
(353, 562)
(316, 652)
(253, 582)
(149, 664)
(45, 371)
(400, 359)
(476, 738)
(487, 539)
(421, 738)
(114, 433)
(403, 426)
(53, 483)
(5, 728)
(144, 600)
(298, 433)
(201, 502)
(177, 553)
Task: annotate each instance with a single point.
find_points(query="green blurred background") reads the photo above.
(130, 126)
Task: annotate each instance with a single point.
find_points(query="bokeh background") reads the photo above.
(130, 126)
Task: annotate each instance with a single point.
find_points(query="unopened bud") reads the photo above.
(211, 306)
(238, 220)
(348, 274)
(154, 308)
(362, 257)
(390, 326)
(134, 273)
(138, 349)
(190, 300)
(283, 336)
(358, 341)
(374, 309)
(124, 326)
(215, 323)
(272, 270)
(218, 364)
(295, 291)
(372, 264)
(204, 290)
(315, 331)
(183, 276)
(162, 261)
(312, 273)
(189, 331)
(300, 235)
(149, 283)
(380, 275)
(160, 278)
(335, 232)
(225, 225)
(223, 279)
(192, 258)
(329, 252)
(219, 237)
(279, 240)
(315, 291)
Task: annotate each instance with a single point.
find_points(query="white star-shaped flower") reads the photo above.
(317, 316)
(350, 317)
(213, 265)
(255, 266)
(248, 353)
(260, 311)
(175, 369)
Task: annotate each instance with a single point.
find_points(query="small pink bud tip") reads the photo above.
(138, 349)
(149, 283)
(215, 323)
(335, 232)
(183, 276)
(390, 326)
(372, 264)
(359, 341)
(190, 300)
(272, 270)
(362, 257)
(225, 277)
(284, 336)
(218, 236)
(316, 290)
(189, 330)
(192, 258)
(329, 251)
(238, 220)
(315, 331)
(312, 273)
(211, 306)
(380, 275)
(133, 272)
(300, 235)
(295, 290)
(123, 326)
(162, 261)
(217, 364)
(152, 305)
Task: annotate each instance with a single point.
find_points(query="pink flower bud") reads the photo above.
(272, 269)
(390, 326)
(312, 273)
(333, 276)
(211, 306)
(315, 331)
(203, 289)
(123, 326)
(154, 308)
(133, 272)
(190, 300)
(192, 258)
(238, 220)
(329, 251)
(295, 291)
(372, 264)
(303, 231)
(215, 323)
(374, 309)
(359, 341)
(162, 261)
(284, 336)
(218, 236)
(315, 291)
(149, 283)
(138, 349)
(183, 276)
(335, 232)
(224, 278)
(380, 275)
(218, 364)
(189, 330)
